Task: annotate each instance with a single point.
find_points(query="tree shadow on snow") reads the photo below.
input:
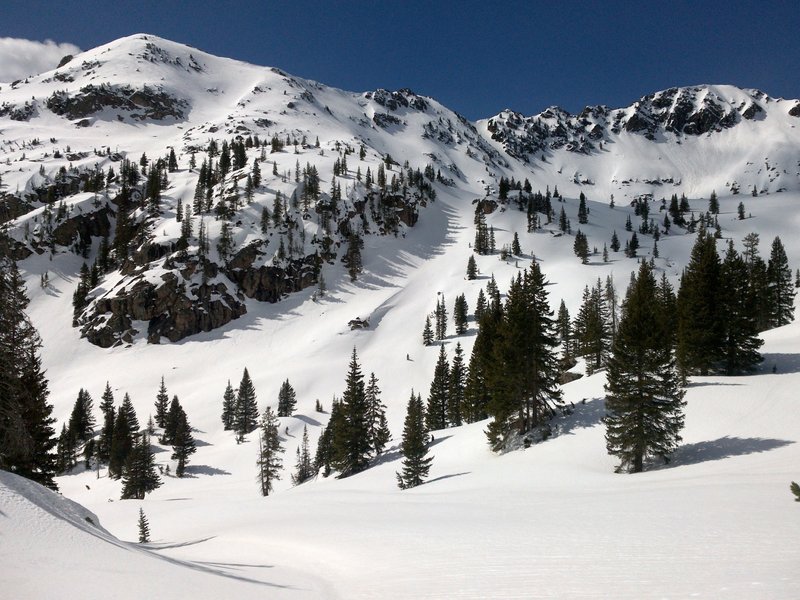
(448, 476)
(584, 416)
(307, 420)
(782, 363)
(193, 470)
(394, 453)
(724, 447)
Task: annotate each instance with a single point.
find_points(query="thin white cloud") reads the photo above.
(20, 58)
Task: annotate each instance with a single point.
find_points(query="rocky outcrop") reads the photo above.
(12, 207)
(145, 103)
(171, 309)
(270, 283)
(81, 228)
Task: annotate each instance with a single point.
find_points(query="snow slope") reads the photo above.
(549, 521)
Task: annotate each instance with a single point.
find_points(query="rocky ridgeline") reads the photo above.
(690, 111)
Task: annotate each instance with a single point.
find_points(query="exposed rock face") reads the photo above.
(170, 309)
(145, 103)
(179, 306)
(12, 207)
(83, 227)
(270, 283)
(690, 111)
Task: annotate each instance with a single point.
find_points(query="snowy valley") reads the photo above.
(342, 220)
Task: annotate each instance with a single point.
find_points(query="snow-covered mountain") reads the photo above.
(552, 520)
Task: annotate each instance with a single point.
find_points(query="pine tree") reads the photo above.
(524, 374)
(416, 462)
(779, 286)
(121, 444)
(614, 242)
(740, 341)
(583, 213)
(172, 421)
(183, 445)
(713, 203)
(270, 449)
(427, 332)
(144, 528)
(592, 328)
(460, 314)
(246, 415)
(472, 268)
(139, 475)
(436, 410)
(516, 249)
(441, 319)
(644, 400)
(351, 444)
(287, 400)
(130, 412)
(303, 470)
(581, 247)
(456, 386)
(228, 408)
(81, 421)
(795, 490)
(378, 427)
(162, 404)
(699, 325)
(107, 434)
(27, 437)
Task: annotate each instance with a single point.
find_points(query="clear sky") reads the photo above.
(475, 57)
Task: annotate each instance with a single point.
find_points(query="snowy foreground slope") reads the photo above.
(549, 521)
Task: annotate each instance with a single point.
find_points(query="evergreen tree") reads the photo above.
(228, 408)
(246, 415)
(427, 332)
(436, 410)
(441, 319)
(81, 421)
(460, 314)
(644, 400)
(795, 490)
(162, 404)
(583, 213)
(456, 386)
(472, 268)
(121, 444)
(303, 470)
(325, 454)
(378, 427)
(269, 453)
(144, 528)
(592, 328)
(139, 474)
(107, 435)
(130, 413)
(523, 377)
(65, 451)
(183, 445)
(740, 341)
(27, 437)
(351, 442)
(516, 249)
(287, 400)
(581, 247)
(779, 286)
(614, 242)
(713, 203)
(699, 326)
(416, 462)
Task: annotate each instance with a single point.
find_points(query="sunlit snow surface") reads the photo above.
(550, 521)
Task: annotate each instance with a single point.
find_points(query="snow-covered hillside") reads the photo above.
(549, 521)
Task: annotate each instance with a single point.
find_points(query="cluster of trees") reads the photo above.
(644, 397)
(723, 304)
(240, 408)
(439, 331)
(27, 437)
(357, 431)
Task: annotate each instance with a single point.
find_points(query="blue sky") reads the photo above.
(476, 57)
